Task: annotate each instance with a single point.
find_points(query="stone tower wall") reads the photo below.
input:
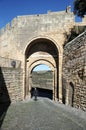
(74, 70)
(22, 29)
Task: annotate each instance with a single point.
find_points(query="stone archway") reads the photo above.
(54, 72)
(39, 51)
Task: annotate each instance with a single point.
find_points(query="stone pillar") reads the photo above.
(67, 96)
(24, 77)
(27, 79)
(55, 72)
(29, 84)
(53, 85)
(60, 79)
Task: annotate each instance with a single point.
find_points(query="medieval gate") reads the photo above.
(43, 51)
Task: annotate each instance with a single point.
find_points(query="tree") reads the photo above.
(80, 7)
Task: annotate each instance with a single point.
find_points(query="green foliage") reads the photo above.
(80, 7)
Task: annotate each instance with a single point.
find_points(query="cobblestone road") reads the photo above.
(43, 114)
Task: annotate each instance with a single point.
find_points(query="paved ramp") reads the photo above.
(43, 114)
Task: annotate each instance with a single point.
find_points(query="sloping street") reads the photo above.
(43, 114)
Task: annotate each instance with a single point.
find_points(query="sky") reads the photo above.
(10, 9)
(41, 68)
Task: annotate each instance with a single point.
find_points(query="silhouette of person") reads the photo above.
(35, 94)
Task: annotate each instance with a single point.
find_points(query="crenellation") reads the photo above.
(68, 9)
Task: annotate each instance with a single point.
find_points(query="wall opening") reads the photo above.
(42, 79)
(44, 93)
(42, 52)
(71, 94)
(64, 84)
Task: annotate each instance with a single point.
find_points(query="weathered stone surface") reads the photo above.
(74, 69)
(6, 62)
(24, 28)
(43, 114)
(11, 84)
(41, 39)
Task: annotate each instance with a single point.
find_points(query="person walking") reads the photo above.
(35, 94)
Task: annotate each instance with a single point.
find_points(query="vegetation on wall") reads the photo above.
(80, 7)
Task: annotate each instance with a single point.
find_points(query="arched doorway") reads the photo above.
(44, 51)
(71, 94)
(42, 79)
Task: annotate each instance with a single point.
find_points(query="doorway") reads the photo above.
(43, 51)
(71, 94)
(42, 79)
(45, 93)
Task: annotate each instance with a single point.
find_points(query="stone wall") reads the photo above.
(6, 62)
(16, 38)
(42, 79)
(74, 72)
(11, 84)
(17, 34)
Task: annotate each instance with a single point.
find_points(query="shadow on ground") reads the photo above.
(4, 98)
(41, 92)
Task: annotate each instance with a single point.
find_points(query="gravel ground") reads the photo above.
(43, 114)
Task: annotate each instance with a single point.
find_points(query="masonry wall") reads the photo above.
(74, 72)
(11, 84)
(7, 62)
(17, 34)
